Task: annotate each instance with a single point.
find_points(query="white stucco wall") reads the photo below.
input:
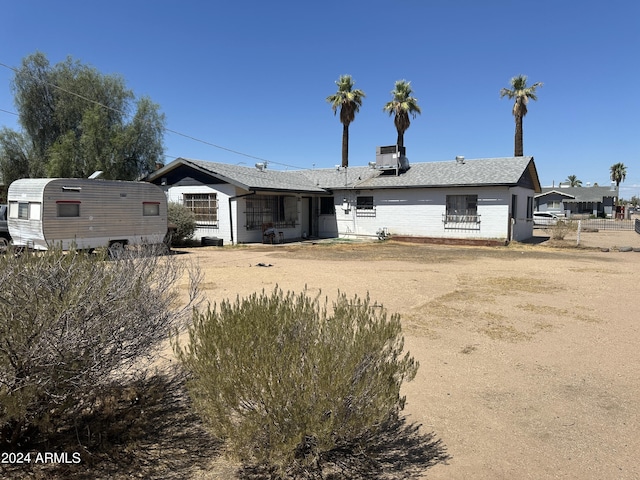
(419, 212)
(522, 223)
(238, 219)
(223, 192)
(412, 212)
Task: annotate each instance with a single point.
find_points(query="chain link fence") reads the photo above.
(608, 224)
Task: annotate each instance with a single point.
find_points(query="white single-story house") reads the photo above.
(596, 201)
(468, 200)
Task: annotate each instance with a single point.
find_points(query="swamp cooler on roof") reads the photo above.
(392, 157)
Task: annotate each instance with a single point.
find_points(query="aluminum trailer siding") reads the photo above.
(85, 213)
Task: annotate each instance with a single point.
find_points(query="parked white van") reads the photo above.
(85, 213)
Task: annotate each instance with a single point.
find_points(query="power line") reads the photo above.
(175, 132)
(7, 111)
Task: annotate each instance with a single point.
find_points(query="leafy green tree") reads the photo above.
(75, 121)
(285, 379)
(348, 100)
(16, 157)
(402, 105)
(72, 325)
(521, 93)
(573, 181)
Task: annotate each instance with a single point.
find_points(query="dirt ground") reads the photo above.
(529, 354)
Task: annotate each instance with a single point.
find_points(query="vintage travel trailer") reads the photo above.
(85, 213)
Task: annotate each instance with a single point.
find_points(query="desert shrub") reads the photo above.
(561, 229)
(183, 220)
(285, 379)
(71, 323)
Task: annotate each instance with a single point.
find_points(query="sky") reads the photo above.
(246, 81)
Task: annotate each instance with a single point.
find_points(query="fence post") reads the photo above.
(578, 234)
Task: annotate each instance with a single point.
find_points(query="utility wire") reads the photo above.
(7, 111)
(175, 132)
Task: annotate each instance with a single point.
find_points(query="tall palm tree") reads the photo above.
(402, 105)
(522, 93)
(618, 174)
(349, 102)
(574, 181)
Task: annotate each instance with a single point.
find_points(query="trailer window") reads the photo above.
(34, 210)
(68, 209)
(23, 211)
(151, 209)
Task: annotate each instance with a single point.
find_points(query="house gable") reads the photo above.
(529, 178)
(556, 193)
(186, 175)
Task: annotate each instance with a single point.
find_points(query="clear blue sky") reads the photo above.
(252, 75)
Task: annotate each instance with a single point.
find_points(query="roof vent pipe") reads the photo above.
(459, 159)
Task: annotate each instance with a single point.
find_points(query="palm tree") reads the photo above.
(618, 174)
(402, 105)
(574, 181)
(522, 94)
(349, 102)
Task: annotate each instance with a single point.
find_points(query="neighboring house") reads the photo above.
(483, 199)
(597, 201)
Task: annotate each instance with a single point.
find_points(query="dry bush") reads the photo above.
(71, 323)
(287, 381)
(184, 221)
(561, 229)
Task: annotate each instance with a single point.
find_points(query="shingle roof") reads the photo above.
(580, 194)
(247, 178)
(477, 172)
(254, 179)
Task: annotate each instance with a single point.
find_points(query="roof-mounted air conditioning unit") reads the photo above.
(393, 158)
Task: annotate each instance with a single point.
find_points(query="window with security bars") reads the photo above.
(462, 212)
(364, 203)
(279, 210)
(204, 207)
(365, 206)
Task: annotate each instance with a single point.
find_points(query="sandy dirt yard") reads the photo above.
(529, 354)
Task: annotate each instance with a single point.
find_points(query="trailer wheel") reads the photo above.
(4, 245)
(116, 249)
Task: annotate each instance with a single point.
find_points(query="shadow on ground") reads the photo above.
(538, 238)
(147, 429)
(397, 451)
(144, 430)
